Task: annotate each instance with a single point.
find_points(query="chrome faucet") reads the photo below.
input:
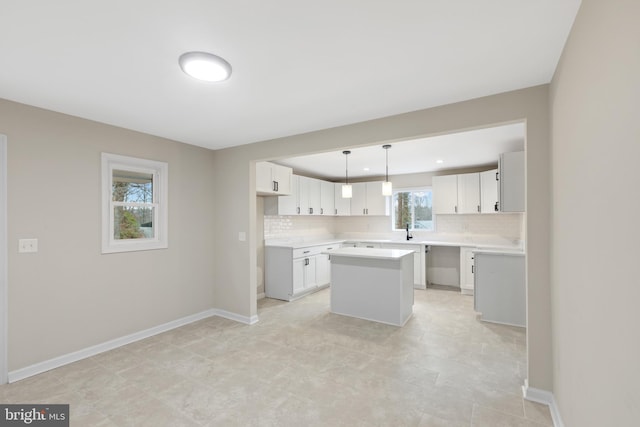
(409, 236)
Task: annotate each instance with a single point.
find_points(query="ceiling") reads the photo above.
(297, 66)
(474, 148)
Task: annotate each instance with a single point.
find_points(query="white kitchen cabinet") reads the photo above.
(342, 205)
(327, 198)
(272, 179)
(467, 270)
(489, 191)
(500, 291)
(368, 199)
(468, 193)
(445, 194)
(308, 196)
(284, 205)
(512, 182)
(291, 273)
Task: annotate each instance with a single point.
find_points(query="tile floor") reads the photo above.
(303, 366)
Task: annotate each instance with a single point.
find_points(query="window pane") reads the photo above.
(133, 223)
(402, 209)
(422, 204)
(132, 187)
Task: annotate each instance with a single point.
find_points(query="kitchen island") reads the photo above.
(372, 283)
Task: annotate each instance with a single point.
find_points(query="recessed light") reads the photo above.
(365, 169)
(205, 66)
(439, 161)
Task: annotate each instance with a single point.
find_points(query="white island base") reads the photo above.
(372, 284)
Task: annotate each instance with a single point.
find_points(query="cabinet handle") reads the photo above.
(306, 261)
(478, 208)
(336, 211)
(472, 270)
(455, 209)
(329, 249)
(298, 210)
(306, 252)
(310, 211)
(275, 185)
(497, 177)
(321, 211)
(496, 207)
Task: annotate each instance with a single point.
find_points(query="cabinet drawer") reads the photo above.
(307, 252)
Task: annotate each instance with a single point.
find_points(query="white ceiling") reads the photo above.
(297, 66)
(480, 147)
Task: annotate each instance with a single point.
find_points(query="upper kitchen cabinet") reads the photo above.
(489, 191)
(469, 193)
(308, 196)
(327, 198)
(445, 194)
(272, 179)
(342, 205)
(368, 199)
(511, 178)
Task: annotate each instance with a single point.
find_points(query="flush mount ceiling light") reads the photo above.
(347, 191)
(387, 188)
(205, 66)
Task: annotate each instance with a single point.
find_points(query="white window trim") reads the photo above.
(160, 171)
(411, 190)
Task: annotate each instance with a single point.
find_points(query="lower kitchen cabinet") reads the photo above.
(500, 291)
(291, 273)
(467, 270)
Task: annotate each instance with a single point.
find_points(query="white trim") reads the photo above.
(160, 172)
(237, 317)
(59, 361)
(56, 362)
(261, 296)
(4, 295)
(546, 398)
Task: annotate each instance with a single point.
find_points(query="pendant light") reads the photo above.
(347, 191)
(387, 188)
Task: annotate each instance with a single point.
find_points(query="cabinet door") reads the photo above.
(489, 191)
(298, 275)
(327, 198)
(264, 181)
(303, 195)
(445, 194)
(313, 188)
(359, 199)
(288, 205)
(512, 188)
(310, 280)
(466, 270)
(469, 193)
(377, 204)
(342, 205)
(282, 175)
(323, 269)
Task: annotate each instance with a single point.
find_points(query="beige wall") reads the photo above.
(594, 100)
(69, 296)
(235, 190)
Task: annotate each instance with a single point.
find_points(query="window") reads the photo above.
(134, 204)
(413, 207)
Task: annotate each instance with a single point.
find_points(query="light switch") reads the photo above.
(28, 245)
(242, 236)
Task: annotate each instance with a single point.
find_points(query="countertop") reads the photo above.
(372, 253)
(452, 241)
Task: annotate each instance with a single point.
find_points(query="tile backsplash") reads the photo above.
(506, 226)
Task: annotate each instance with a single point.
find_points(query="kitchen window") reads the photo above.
(413, 207)
(134, 204)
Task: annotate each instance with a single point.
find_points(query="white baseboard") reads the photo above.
(237, 317)
(59, 361)
(546, 398)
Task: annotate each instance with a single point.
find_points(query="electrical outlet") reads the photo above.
(242, 236)
(27, 245)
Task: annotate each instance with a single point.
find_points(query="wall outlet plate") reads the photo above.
(28, 245)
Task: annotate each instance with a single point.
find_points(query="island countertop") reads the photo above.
(373, 253)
